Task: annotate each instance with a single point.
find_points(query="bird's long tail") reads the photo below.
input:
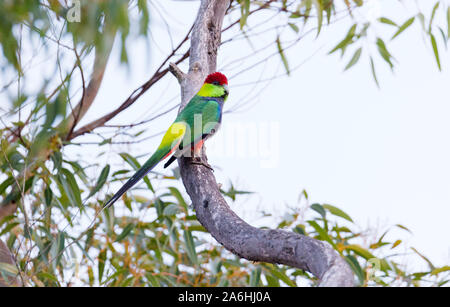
(144, 170)
(170, 142)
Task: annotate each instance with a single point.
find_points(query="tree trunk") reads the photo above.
(242, 239)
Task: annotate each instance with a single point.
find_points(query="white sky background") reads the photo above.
(382, 155)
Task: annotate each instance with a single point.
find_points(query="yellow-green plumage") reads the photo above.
(197, 121)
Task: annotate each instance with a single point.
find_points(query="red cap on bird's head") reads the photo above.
(216, 78)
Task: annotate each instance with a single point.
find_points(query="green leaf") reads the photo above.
(232, 192)
(448, 22)
(130, 160)
(8, 228)
(171, 210)
(70, 186)
(396, 243)
(354, 59)
(283, 56)
(5, 184)
(48, 195)
(144, 21)
(422, 21)
(387, 21)
(61, 244)
(348, 40)
(190, 247)
(294, 27)
(255, 277)
(433, 14)
(444, 38)
(403, 27)
(435, 50)
(101, 180)
(197, 228)
(322, 233)
(48, 276)
(90, 273)
(319, 9)
(374, 73)
(125, 232)
(356, 268)
(403, 227)
(360, 251)
(133, 162)
(245, 10)
(273, 269)
(272, 281)
(176, 193)
(101, 264)
(440, 270)
(338, 212)
(299, 229)
(430, 264)
(319, 209)
(384, 52)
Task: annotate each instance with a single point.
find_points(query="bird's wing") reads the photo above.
(202, 116)
(170, 142)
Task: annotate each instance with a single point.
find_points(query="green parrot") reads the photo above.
(194, 124)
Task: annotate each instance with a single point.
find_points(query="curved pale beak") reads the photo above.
(225, 87)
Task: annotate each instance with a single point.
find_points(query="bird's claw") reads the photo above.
(202, 163)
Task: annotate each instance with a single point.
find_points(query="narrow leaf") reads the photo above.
(440, 270)
(448, 22)
(433, 14)
(348, 40)
(190, 247)
(354, 59)
(338, 212)
(125, 232)
(387, 21)
(101, 264)
(435, 50)
(403, 27)
(322, 233)
(319, 209)
(430, 264)
(360, 251)
(319, 9)
(384, 52)
(101, 180)
(283, 56)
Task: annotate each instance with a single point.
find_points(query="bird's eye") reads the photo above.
(216, 83)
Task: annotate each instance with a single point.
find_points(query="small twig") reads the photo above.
(176, 71)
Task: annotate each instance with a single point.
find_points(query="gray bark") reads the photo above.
(242, 239)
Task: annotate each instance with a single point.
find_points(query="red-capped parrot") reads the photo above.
(194, 124)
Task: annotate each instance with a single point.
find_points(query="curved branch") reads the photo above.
(244, 240)
(90, 92)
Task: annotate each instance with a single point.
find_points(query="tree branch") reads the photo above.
(242, 239)
(90, 92)
(135, 94)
